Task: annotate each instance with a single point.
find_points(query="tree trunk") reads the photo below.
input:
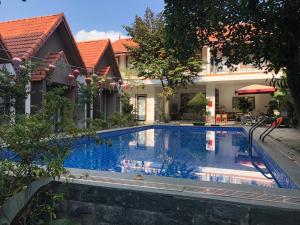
(167, 109)
(293, 79)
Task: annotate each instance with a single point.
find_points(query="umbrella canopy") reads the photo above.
(255, 89)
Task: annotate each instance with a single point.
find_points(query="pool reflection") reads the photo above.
(217, 156)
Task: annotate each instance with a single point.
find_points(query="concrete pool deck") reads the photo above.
(281, 151)
(289, 137)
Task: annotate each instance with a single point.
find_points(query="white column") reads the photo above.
(92, 110)
(207, 59)
(211, 98)
(28, 100)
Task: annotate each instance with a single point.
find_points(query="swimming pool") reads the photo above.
(214, 154)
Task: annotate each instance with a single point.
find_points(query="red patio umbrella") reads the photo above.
(255, 89)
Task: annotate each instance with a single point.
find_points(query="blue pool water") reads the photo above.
(199, 153)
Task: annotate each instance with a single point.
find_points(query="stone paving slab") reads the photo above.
(289, 137)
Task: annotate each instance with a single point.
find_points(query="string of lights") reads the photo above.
(62, 64)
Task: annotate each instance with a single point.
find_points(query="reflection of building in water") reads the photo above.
(234, 176)
(143, 139)
(202, 173)
(210, 140)
(129, 166)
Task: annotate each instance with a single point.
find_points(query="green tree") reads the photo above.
(264, 33)
(153, 60)
(13, 89)
(245, 105)
(198, 105)
(127, 107)
(33, 148)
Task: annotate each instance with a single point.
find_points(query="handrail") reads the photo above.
(261, 171)
(276, 123)
(251, 131)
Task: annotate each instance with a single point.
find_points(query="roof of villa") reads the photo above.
(24, 37)
(4, 53)
(93, 51)
(119, 46)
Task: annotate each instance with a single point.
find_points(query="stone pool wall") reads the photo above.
(94, 205)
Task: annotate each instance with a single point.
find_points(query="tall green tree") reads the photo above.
(265, 33)
(153, 60)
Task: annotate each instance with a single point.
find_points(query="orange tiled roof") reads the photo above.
(92, 51)
(24, 37)
(51, 58)
(119, 46)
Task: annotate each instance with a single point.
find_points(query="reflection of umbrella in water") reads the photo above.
(245, 160)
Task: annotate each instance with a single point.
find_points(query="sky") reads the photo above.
(88, 19)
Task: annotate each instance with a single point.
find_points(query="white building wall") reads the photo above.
(226, 81)
(227, 92)
(151, 94)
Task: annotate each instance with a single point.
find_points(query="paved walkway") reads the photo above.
(289, 137)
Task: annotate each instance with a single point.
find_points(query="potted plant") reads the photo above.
(245, 105)
(198, 106)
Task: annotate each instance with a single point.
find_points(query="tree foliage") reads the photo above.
(245, 105)
(198, 105)
(13, 87)
(264, 33)
(153, 60)
(33, 147)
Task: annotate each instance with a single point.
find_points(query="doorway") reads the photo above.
(141, 104)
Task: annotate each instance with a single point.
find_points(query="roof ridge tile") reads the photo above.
(31, 18)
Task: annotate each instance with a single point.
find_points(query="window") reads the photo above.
(235, 102)
(141, 107)
(126, 61)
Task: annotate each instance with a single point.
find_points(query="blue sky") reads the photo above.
(88, 19)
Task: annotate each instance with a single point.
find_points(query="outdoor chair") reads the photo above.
(218, 118)
(224, 118)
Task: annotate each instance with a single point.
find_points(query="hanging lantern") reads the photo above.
(22, 67)
(89, 71)
(88, 80)
(51, 68)
(70, 77)
(16, 61)
(94, 76)
(112, 85)
(76, 73)
(125, 86)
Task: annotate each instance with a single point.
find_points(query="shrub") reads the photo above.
(245, 105)
(198, 105)
(127, 107)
